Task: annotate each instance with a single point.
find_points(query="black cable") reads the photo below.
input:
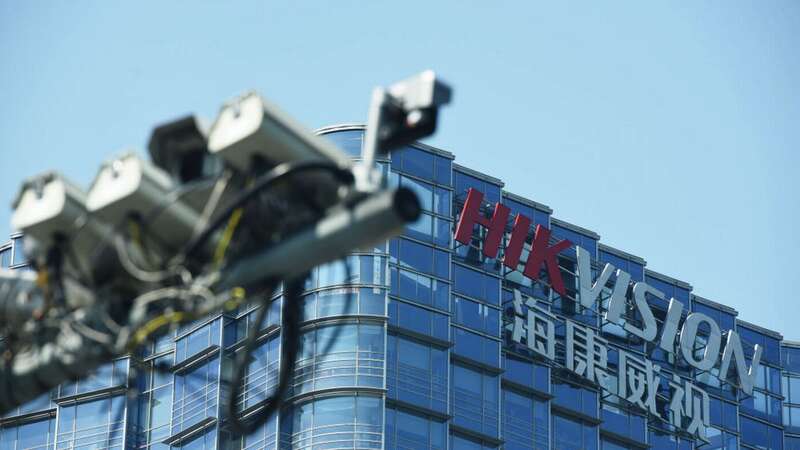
(170, 198)
(265, 181)
(290, 336)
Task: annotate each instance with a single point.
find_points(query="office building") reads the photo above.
(432, 344)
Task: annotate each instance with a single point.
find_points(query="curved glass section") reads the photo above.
(334, 422)
(340, 355)
(365, 301)
(349, 141)
(359, 269)
(355, 286)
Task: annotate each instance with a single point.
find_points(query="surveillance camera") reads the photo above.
(51, 210)
(132, 187)
(421, 91)
(180, 147)
(409, 110)
(249, 129)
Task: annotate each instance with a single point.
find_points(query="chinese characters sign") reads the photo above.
(585, 350)
(586, 354)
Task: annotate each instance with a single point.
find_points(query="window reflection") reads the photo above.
(416, 373)
(33, 435)
(354, 358)
(92, 424)
(474, 401)
(334, 422)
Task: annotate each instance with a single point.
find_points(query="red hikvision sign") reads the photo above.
(541, 252)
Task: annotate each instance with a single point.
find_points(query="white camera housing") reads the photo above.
(250, 126)
(129, 186)
(49, 207)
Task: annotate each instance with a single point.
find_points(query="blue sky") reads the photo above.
(672, 130)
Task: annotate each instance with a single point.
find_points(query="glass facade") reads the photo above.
(409, 346)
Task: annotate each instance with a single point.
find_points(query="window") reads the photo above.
(763, 406)
(28, 436)
(473, 396)
(463, 443)
(663, 441)
(491, 191)
(476, 284)
(423, 190)
(348, 140)
(570, 434)
(420, 288)
(760, 435)
(92, 424)
(670, 290)
(261, 375)
(633, 268)
(334, 422)
(791, 417)
(431, 229)
(723, 319)
(106, 376)
(344, 301)
(5, 257)
(770, 345)
(791, 408)
(205, 441)
(586, 242)
(416, 373)
(237, 329)
(155, 403)
(198, 340)
(409, 431)
(790, 357)
(263, 437)
(442, 201)
(364, 269)
(615, 332)
(623, 423)
(419, 320)
(526, 373)
(40, 403)
(578, 399)
(340, 355)
(19, 252)
(420, 257)
(195, 395)
(414, 161)
(476, 347)
(609, 444)
(525, 422)
(422, 164)
(723, 414)
(567, 305)
(472, 253)
(476, 315)
(538, 217)
(720, 440)
(160, 344)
